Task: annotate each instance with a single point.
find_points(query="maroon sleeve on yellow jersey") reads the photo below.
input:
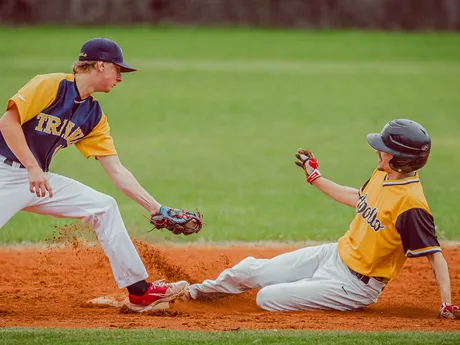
(98, 142)
(417, 231)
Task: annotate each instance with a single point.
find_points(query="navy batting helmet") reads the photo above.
(407, 141)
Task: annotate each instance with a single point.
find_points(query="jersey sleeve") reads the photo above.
(98, 142)
(34, 97)
(417, 231)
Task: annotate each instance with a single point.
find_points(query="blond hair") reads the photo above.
(83, 66)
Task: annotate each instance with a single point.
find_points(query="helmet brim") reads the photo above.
(125, 68)
(375, 140)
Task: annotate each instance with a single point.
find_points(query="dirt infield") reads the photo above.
(49, 288)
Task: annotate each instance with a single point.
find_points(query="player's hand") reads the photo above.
(309, 164)
(38, 182)
(449, 311)
(155, 209)
(178, 221)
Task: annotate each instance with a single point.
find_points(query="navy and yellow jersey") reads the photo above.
(53, 117)
(392, 222)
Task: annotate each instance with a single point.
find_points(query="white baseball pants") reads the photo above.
(311, 278)
(72, 199)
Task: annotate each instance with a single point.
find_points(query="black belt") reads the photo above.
(365, 279)
(10, 163)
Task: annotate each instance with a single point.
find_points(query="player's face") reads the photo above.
(109, 76)
(383, 162)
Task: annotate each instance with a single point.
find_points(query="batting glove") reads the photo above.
(449, 311)
(309, 164)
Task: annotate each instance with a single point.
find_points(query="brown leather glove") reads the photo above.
(177, 221)
(309, 164)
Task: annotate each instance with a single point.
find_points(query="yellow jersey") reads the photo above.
(392, 222)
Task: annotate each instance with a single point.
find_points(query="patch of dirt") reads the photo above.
(50, 287)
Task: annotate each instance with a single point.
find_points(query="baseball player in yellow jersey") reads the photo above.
(392, 222)
(54, 111)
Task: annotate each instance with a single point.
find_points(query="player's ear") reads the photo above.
(388, 155)
(100, 65)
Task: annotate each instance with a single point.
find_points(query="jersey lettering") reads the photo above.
(369, 214)
(41, 121)
(52, 125)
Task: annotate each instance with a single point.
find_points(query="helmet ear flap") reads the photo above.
(401, 165)
(407, 165)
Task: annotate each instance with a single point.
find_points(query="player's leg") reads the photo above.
(332, 287)
(310, 294)
(14, 192)
(73, 199)
(257, 273)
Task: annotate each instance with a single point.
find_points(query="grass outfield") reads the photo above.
(102, 337)
(213, 119)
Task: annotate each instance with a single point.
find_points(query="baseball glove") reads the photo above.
(177, 221)
(309, 164)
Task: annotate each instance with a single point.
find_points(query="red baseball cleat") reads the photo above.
(157, 293)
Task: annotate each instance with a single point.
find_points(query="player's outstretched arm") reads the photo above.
(345, 195)
(441, 274)
(125, 181)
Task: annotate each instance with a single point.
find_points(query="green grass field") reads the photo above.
(67, 337)
(212, 120)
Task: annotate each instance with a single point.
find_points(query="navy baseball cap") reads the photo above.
(103, 49)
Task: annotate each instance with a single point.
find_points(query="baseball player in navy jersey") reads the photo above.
(392, 223)
(52, 112)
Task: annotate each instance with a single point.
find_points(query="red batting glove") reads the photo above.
(449, 311)
(309, 164)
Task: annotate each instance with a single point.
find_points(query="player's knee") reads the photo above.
(271, 298)
(111, 202)
(103, 208)
(264, 300)
(246, 273)
(244, 269)
(260, 299)
(246, 265)
(104, 204)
